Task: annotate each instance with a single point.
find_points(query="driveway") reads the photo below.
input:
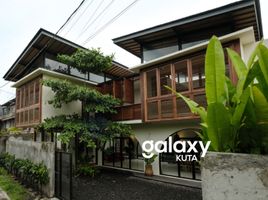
(119, 185)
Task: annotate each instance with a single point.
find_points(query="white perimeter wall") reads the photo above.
(37, 152)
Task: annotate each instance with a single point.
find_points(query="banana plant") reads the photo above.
(234, 112)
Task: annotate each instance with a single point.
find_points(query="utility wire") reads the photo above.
(79, 17)
(99, 15)
(4, 84)
(70, 17)
(89, 19)
(109, 22)
(48, 43)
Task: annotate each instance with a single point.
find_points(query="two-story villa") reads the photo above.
(171, 54)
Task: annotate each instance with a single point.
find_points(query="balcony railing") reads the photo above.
(129, 112)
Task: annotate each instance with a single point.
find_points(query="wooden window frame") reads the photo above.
(191, 92)
(26, 106)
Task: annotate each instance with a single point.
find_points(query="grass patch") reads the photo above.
(13, 189)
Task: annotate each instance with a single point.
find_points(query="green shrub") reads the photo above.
(236, 117)
(26, 169)
(87, 170)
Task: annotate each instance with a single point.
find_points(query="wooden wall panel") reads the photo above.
(128, 91)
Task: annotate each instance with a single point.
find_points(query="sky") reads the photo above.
(20, 20)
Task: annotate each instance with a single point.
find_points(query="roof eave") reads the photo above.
(198, 47)
(189, 19)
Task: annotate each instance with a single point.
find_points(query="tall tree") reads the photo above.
(94, 127)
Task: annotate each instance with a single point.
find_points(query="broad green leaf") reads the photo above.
(238, 64)
(215, 72)
(240, 108)
(252, 57)
(241, 70)
(252, 74)
(231, 90)
(261, 106)
(255, 73)
(262, 53)
(219, 131)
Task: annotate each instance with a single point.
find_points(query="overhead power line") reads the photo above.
(48, 43)
(4, 84)
(98, 16)
(84, 11)
(90, 18)
(70, 17)
(109, 22)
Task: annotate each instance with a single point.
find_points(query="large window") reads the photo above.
(151, 84)
(160, 48)
(165, 79)
(186, 76)
(57, 66)
(123, 152)
(184, 169)
(28, 104)
(181, 76)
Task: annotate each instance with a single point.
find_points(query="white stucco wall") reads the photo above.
(49, 111)
(246, 50)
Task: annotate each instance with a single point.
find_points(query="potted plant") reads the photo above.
(148, 165)
(236, 123)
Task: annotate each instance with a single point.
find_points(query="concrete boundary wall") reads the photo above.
(234, 176)
(37, 152)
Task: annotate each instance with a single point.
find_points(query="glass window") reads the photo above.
(182, 108)
(18, 99)
(96, 78)
(165, 79)
(26, 116)
(152, 110)
(190, 44)
(159, 48)
(22, 98)
(108, 153)
(75, 72)
(151, 54)
(198, 70)
(167, 108)
(36, 98)
(31, 117)
(26, 101)
(21, 118)
(181, 76)
(55, 66)
(36, 114)
(31, 99)
(151, 84)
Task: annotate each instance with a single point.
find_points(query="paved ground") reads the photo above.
(123, 186)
